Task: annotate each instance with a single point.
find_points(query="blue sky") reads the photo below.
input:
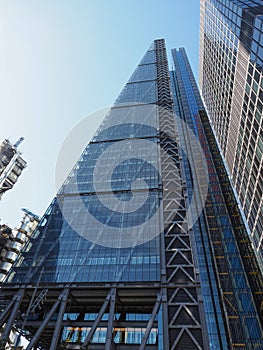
(62, 60)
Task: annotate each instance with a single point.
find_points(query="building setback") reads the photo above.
(144, 246)
(231, 82)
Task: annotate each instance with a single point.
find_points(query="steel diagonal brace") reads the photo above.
(34, 340)
(98, 318)
(150, 322)
(110, 321)
(7, 310)
(57, 329)
(11, 310)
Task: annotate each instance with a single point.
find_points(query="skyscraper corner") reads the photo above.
(231, 82)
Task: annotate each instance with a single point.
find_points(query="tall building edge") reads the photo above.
(216, 210)
(194, 283)
(231, 81)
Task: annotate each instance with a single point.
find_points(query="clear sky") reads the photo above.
(64, 59)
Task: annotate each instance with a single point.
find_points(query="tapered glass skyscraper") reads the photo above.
(144, 246)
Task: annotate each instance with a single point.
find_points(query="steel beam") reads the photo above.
(34, 340)
(150, 322)
(97, 321)
(28, 310)
(165, 319)
(13, 314)
(110, 321)
(164, 289)
(7, 310)
(58, 326)
(87, 324)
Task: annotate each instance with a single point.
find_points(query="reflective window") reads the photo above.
(149, 57)
(144, 72)
(141, 92)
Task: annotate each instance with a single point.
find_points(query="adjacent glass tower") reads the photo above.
(144, 246)
(231, 81)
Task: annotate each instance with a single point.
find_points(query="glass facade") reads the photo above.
(127, 335)
(125, 239)
(65, 248)
(231, 80)
(214, 230)
(184, 84)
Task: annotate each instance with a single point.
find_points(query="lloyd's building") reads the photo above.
(144, 246)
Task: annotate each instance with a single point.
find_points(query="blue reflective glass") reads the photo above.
(141, 92)
(149, 57)
(120, 168)
(125, 131)
(144, 72)
(128, 122)
(65, 255)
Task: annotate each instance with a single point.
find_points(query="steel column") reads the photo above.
(110, 321)
(165, 318)
(28, 310)
(97, 321)
(150, 323)
(45, 322)
(57, 329)
(7, 310)
(14, 312)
